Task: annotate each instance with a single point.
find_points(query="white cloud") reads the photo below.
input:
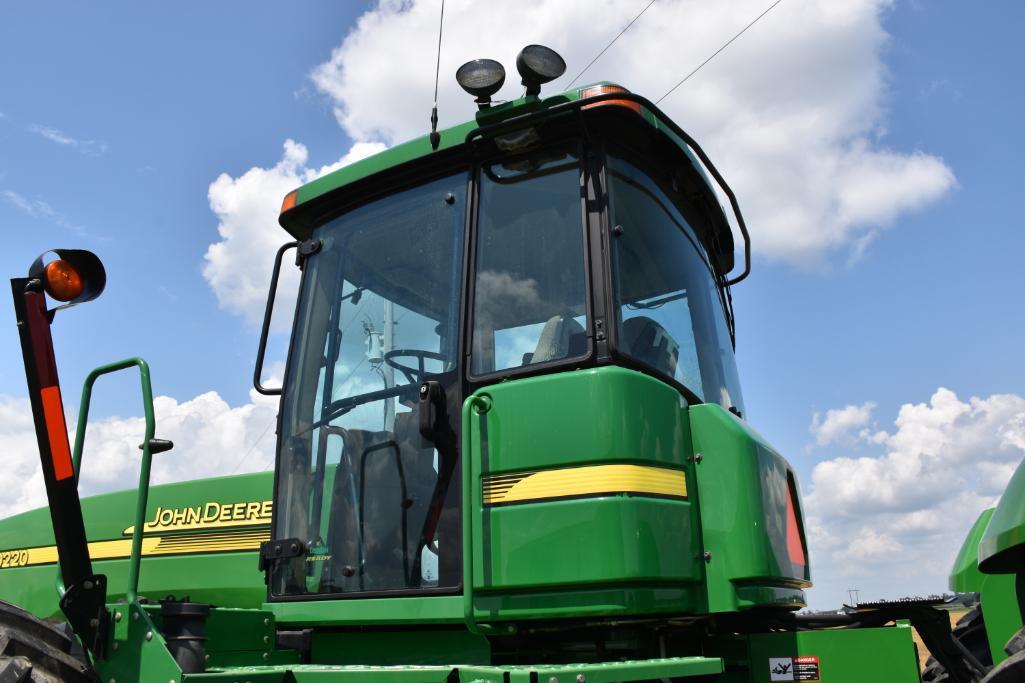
(37, 208)
(238, 267)
(92, 148)
(792, 113)
(838, 423)
(891, 524)
(211, 438)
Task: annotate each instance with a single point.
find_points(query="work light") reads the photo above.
(482, 78)
(538, 65)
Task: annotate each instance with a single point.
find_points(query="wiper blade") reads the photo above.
(342, 406)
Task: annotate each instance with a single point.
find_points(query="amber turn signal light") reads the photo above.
(603, 89)
(62, 281)
(289, 201)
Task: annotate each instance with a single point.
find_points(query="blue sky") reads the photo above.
(117, 118)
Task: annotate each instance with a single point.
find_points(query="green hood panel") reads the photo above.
(743, 488)
(1002, 548)
(200, 540)
(965, 576)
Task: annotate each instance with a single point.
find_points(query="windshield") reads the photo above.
(530, 288)
(669, 314)
(357, 481)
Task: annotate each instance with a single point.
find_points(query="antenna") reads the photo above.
(435, 135)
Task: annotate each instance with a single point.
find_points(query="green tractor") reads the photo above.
(511, 443)
(991, 563)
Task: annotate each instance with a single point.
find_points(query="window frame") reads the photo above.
(618, 356)
(585, 171)
(389, 187)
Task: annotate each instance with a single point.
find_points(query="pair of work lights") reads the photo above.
(537, 65)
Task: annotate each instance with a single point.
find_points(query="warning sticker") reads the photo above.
(805, 668)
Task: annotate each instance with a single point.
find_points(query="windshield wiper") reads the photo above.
(336, 409)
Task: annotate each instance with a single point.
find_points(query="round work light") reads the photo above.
(538, 65)
(482, 78)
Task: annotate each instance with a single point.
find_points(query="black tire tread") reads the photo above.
(34, 651)
(1011, 670)
(970, 631)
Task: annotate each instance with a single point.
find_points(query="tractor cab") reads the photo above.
(573, 242)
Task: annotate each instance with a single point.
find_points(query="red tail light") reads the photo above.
(795, 545)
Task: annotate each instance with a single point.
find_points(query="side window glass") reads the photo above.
(529, 302)
(669, 317)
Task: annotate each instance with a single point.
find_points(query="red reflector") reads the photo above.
(56, 429)
(601, 90)
(795, 549)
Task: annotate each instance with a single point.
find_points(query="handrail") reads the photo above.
(144, 471)
(579, 104)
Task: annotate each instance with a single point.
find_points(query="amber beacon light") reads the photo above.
(70, 276)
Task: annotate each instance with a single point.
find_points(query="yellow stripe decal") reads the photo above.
(584, 481)
(181, 544)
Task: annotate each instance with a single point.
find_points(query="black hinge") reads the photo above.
(272, 551)
(306, 249)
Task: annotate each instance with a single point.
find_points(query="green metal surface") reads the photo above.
(443, 609)
(142, 492)
(223, 577)
(742, 489)
(1001, 611)
(137, 652)
(608, 554)
(587, 541)
(879, 655)
(1002, 548)
(965, 576)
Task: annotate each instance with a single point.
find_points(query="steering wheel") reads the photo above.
(411, 373)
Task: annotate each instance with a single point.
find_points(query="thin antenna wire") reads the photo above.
(437, 66)
(598, 56)
(725, 45)
(435, 137)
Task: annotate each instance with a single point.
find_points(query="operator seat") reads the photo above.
(561, 337)
(647, 341)
(395, 476)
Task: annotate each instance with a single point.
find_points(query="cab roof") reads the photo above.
(312, 203)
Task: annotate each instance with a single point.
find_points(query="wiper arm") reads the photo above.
(336, 409)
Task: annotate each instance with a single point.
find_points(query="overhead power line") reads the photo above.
(605, 49)
(713, 55)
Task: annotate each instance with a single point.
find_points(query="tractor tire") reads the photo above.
(1012, 668)
(33, 651)
(970, 631)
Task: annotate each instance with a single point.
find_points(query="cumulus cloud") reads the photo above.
(838, 423)
(792, 113)
(238, 266)
(891, 523)
(211, 438)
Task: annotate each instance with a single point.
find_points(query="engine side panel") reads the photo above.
(201, 539)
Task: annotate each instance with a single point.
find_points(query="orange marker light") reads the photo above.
(601, 90)
(62, 281)
(289, 201)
